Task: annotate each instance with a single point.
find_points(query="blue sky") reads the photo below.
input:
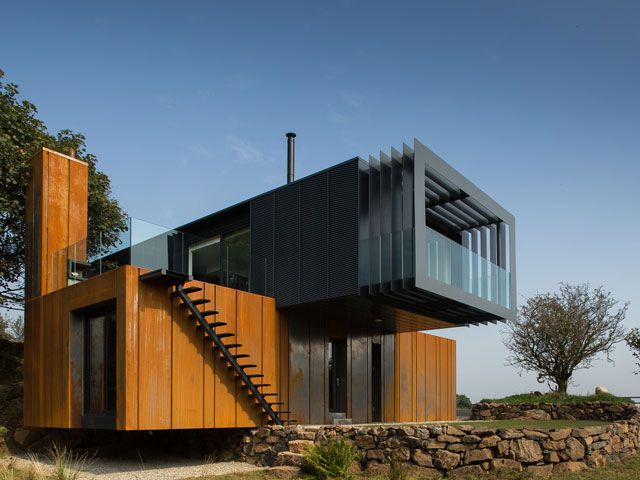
(186, 105)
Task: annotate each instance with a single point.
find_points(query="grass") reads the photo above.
(555, 398)
(533, 424)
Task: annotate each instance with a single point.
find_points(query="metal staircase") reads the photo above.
(209, 330)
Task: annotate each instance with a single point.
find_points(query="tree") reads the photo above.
(558, 333)
(633, 341)
(462, 401)
(21, 135)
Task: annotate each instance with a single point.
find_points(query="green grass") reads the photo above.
(555, 398)
(533, 424)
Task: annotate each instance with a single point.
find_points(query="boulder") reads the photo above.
(289, 459)
(422, 458)
(445, 460)
(570, 467)
(476, 456)
(600, 390)
(469, 471)
(506, 464)
(300, 446)
(526, 451)
(537, 414)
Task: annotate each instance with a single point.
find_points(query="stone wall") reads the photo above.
(434, 450)
(605, 411)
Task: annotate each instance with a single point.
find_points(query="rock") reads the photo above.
(422, 472)
(300, 446)
(448, 439)
(262, 432)
(375, 455)
(569, 467)
(551, 457)
(289, 459)
(402, 453)
(284, 472)
(458, 447)
(574, 450)
(489, 442)
(261, 448)
(560, 434)
(475, 456)
(537, 414)
(471, 439)
(422, 458)
(510, 434)
(307, 436)
(533, 435)
(526, 451)
(434, 445)
(540, 470)
(454, 431)
(600, 390)
(505, 464)
(375, 469)
(468, 471)
(445, 460)
(405, 431)
(365, 442)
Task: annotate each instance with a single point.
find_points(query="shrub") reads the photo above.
(67, 465)
(332, 459)
(554, 397)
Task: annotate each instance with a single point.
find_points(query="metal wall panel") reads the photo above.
(343, 229)
(314, 213)
(287, 245)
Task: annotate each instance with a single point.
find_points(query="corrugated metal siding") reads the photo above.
(262, 220)
(287, 245)
(313, 238)
(304, 238)
(343, 230)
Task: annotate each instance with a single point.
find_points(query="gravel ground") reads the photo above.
(152, 469)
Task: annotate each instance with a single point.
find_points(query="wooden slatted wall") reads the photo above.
(425, 369)
(168, 376)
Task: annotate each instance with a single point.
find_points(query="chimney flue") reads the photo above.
(291, 156)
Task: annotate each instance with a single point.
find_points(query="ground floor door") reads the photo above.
(337, 376)
(376, 382)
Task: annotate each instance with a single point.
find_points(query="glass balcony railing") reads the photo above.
(451, 263)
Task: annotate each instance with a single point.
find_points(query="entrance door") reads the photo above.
(337, 376)
(376, 382)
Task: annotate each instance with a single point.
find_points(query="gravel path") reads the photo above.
(152, 469)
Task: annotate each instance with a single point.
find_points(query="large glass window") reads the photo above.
(235, 259)
(223, 260)
(204, 261)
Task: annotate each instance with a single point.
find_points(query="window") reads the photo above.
(223, 260)
(204, 261)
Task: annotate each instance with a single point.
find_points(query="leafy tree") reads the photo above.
(11, 329)
(462, 401)
(21, 135)
(633, 341)
(558, 333)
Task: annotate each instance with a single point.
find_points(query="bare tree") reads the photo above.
(633, 341)
(558, 333)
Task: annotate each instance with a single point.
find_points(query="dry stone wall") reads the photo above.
(605, 411)
(436, 450)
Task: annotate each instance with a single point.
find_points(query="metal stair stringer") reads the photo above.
(231, 358)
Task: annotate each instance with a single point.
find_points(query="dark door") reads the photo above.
(376, 382)
(337, 376)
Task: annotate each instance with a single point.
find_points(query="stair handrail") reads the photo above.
(228, 355)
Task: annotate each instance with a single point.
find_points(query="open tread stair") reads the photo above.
(208, 329)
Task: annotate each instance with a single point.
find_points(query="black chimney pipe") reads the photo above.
(291, 156)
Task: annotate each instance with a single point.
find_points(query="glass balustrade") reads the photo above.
(451, 263)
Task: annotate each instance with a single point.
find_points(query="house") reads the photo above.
(306, 303)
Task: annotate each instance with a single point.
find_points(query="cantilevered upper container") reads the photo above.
(406, 230)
